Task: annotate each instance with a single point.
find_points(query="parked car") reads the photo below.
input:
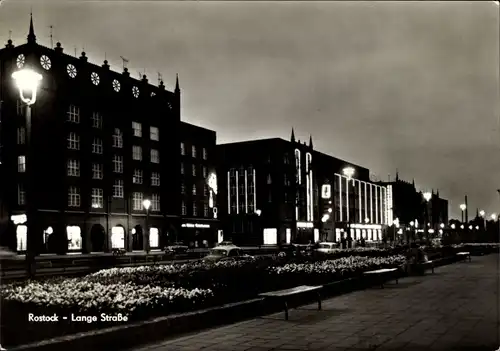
(177, 248)
(225, 243)
(294, 250)
(327, 248)
(228, 252)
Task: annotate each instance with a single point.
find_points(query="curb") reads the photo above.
(161, 328)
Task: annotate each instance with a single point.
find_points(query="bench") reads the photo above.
(380, 274)
(298, 290)
(464, 255)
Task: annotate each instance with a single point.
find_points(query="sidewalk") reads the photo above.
(454, 309)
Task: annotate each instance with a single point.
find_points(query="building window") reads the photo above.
(193, 151)
(182, 168)
(155, 156)
(97, 146)
(155, 179)
(97, 171)
(205, 155)
(137, 178)
(183, 149)
(137, 127)
(21, 195)
(96, 120)
(73, 141)
(195, 210)
(194, 189)
(205, 210)
(97, 198)
(205, 190)
(117, 164)
(205, 172)
(118, 138)
(118, 188)
(21, 164)
(21, 136)
(183, 208)
(183, 188)
(20, 107)
(74, 168)
(73, 196)
(154, 133)
(155, 202)
(137, 153)
(73, 114)
(269, 180)
(137, 199)
(193, 169)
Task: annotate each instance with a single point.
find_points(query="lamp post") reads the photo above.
(348, 172)
(28, 81)
(146, 203)
(427, 196)
(395, 224)
(463, 207)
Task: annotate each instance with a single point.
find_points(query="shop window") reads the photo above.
(154, 238)
(270, 236)
(74, 234)
(21, 234)
(118, 238)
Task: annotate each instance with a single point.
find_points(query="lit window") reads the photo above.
(194, 169)
(118, 237)
(136, 153)
(205, 172)
(183, 188)
(183, 208)
(154, 133)
(183, 149)
(21, 136)
(155, 156)
(117, 164)
(97, 146)
(73, 196)
(117, 138)
(137, 178)
(97, 198)
(73, 168)
(21, 164)
(194, 189)
(97, 170)
(193, 151)
(74, 236)
(205, 190)
(137, 200)
(118, 188)
(205, 155)
(73, 141)
(96, 120)
(155, 179)
(182, 168)
(269, 180)
(21, 194)
(195, 210)
(137, 127)
(73, 114)
(205, 210)
(155, 202)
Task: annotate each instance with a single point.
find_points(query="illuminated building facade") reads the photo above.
(102, 142)
(352, 204)
(282, 191)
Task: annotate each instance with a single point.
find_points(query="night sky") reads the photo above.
(412, 86)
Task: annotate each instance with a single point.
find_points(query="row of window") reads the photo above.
(194, 170)
(193, 151)
(194, 209)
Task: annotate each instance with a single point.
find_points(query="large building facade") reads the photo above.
(282, 191)
(97, 145)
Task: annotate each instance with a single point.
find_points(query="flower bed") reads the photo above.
(143, 292)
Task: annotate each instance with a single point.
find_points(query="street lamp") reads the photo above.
(427, 196)
(441, 225)
(396, 225)
(28, 81)
(494, 216)
(146, 203)
(348, 172)
(463, 207)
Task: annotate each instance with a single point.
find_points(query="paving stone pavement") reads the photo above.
(454, 309)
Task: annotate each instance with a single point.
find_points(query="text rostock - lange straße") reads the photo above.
(103, 317)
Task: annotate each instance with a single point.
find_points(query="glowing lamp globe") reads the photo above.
(427, 196)
(348, 172)
(146, 204)
(482, 213)
(493, 216)
(27, 80)
(442, 225)
(463, 207)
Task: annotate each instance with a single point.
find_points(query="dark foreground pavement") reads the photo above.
(454, 309)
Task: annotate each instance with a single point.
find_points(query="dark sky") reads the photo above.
(407, 85)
